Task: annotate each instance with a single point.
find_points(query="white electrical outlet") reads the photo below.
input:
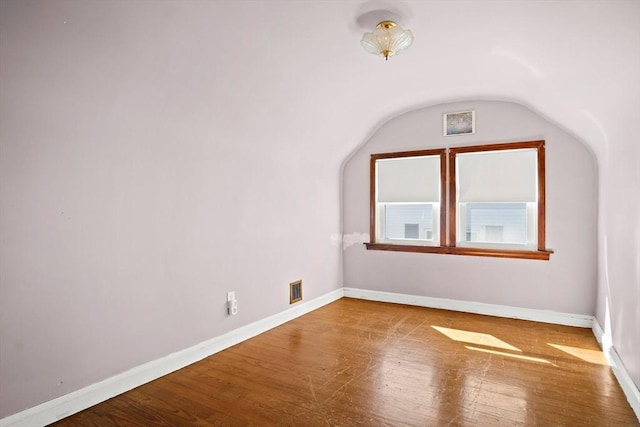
(232, 304)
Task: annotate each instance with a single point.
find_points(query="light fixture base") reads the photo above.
(386, 24)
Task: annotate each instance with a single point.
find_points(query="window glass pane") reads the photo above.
(409, 221)
(496, 223)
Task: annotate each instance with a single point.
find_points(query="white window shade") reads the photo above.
(497, 176)
(408, 179)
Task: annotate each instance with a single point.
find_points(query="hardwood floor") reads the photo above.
(357, 362)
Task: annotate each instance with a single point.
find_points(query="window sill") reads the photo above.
(452, 250)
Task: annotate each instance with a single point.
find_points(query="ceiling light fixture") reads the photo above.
(387, 39)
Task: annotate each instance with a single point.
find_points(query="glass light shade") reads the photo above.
(387, 39)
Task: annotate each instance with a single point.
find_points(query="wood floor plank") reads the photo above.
(363, 363)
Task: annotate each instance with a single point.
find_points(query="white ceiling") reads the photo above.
(575, 62)
(293, 74)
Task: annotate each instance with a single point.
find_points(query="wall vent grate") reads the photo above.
(295, 291)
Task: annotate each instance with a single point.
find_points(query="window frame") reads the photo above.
(373, 226)
(448, 203)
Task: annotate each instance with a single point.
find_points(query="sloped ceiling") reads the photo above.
(293, 74)
(576, 62)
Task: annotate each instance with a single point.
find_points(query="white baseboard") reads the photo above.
(84, 398)
(624, 379)
(629, 388)
(599, 334)
(545, 316)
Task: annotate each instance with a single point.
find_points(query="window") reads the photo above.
(483, 200)
(408, 196)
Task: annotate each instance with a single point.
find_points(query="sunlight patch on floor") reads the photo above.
(474, 338)
(591, 356)
(515, 356)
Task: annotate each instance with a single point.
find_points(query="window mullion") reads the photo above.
(452, 199)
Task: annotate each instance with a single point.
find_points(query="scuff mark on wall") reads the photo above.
(349, 239)
(353, 239)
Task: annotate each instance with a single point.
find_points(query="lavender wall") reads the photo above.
(618, 304)
(135, 195)
(566, 283)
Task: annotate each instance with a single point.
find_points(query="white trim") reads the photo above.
(599, 334)
(84, 398)
(624, 379)
(545, 316)
(56, 409)
(629, 388)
